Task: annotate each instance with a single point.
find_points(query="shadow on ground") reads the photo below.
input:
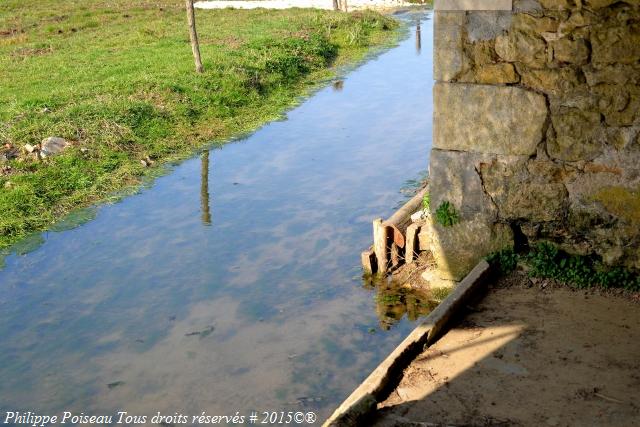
(527, 356)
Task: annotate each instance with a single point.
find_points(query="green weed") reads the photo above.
(547, 261)
(426, 201)
(446, 214)
(504, 261)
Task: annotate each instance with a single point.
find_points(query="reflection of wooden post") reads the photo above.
(195, 47)
(418, 39)
(204, 189)
(380, 245)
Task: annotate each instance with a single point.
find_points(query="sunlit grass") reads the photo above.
(117, 78)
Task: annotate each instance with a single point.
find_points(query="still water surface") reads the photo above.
(239, 293)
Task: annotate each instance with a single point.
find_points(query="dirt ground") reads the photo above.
(530, 353)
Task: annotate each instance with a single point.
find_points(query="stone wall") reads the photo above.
(536, 128)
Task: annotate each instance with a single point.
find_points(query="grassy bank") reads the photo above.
(116, 78)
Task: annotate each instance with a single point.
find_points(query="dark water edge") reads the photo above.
(232, 283)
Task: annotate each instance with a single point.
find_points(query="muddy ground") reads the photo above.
(529, 353)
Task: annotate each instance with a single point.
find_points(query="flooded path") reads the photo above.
(239, 293)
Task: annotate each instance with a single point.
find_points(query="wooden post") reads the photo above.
(368, 259)
(380, 245)
(344, 2)
(336, 5)
(410, 246)
(396, 254)
(204, 189)
(195, 47)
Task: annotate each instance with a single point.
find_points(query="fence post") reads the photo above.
(193, 35)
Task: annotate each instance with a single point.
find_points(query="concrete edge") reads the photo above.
(462, 5)
(362, 402)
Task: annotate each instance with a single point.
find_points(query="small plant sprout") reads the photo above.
(426, 202)
(446, 214)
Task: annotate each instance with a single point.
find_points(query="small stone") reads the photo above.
(557, 4)
(619, 44)
(9, 154)
(549, 81)
(526, 48)
(526, 22)
(502, 73)
(417, 216)
(576, 135)
(9, 185)
(435, 282)
(571, 51)
(612, 74)
(599, 4)
(52, 146)
(30, 148)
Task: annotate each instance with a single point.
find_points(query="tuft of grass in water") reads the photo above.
(446, 214)
(116, 77)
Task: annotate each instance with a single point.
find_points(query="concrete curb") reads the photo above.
(362, 402)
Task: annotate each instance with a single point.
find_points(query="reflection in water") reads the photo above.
(394, 300)
(204, 189)
(338, 85)
(418, 38)
(146, 309)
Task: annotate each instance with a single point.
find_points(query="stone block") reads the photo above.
(617, 42)
(578, 19)
(487, 25)
(454, 178)
(620, 74)
(576, 135)
(472, 5)
(599, 4)
(488, 119)
(525, 48)
(558, 81)
(570, 51)
(531, 7)
(501, 73)
(620, 104)
(449, 59)
(535, 24)
(557, 4)
(459, 248)
(519, 195)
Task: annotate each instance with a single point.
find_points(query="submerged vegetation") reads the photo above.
(546, 261)
(116, 79)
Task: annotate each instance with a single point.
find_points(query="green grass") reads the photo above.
(544, 260)
(117, 78)
(447, 215)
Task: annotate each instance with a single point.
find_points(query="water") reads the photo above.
(239, 293)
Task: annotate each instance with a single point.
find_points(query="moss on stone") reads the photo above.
(620, 201)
